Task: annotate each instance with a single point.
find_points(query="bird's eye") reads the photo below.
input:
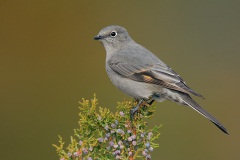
(113, 34)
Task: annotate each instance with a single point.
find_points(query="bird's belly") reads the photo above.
(135, 89)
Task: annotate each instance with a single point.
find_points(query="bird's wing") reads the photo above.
(154, 73)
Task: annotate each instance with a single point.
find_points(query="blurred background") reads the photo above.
(49, 61)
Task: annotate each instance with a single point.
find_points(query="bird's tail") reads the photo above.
(191, 103)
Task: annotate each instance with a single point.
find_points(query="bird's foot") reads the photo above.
(150, 102)
(134, 110)
(145, 104)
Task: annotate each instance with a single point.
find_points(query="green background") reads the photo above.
(49, 61)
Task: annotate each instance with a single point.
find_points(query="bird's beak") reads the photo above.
(98, 37)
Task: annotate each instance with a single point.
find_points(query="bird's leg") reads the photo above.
(134, 109)
(150, 102)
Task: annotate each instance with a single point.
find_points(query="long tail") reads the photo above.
(191, 103)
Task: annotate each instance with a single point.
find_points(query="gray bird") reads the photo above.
(142, 75)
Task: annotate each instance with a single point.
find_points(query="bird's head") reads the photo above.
(113, 37)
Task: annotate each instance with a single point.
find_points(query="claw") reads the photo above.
(134, 110)
(150, 102)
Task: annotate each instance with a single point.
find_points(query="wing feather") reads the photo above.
(154, 73)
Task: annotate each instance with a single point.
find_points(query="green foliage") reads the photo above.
(106, 135)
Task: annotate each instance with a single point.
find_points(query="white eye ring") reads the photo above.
(113, 33)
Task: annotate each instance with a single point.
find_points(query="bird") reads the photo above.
(142, 75)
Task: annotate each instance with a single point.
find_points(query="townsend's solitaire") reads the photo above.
(142, 75)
